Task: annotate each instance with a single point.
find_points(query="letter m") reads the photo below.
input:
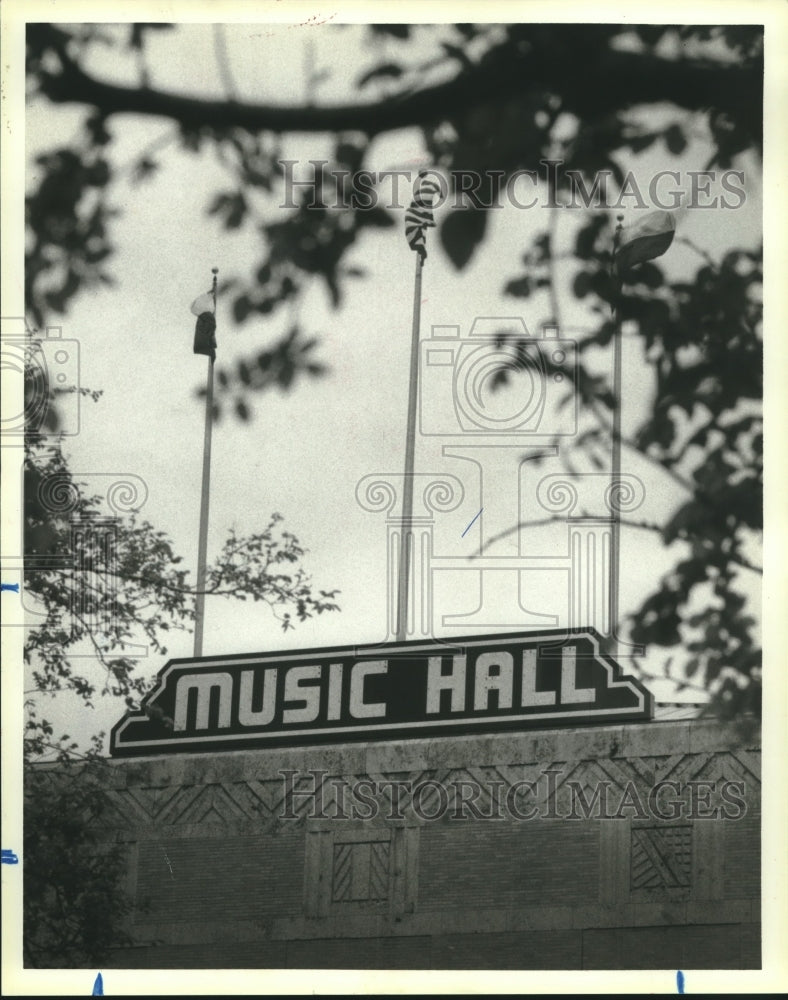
(204, 685)
(598, 188)
(578, 798)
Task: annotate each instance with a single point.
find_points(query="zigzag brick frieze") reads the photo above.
(738, 765)
(263, 799)
(227, 868)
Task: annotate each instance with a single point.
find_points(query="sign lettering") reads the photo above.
(404, 690)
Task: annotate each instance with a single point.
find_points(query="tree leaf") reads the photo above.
(461, 233)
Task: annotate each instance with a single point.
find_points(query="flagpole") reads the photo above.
(406, 535)
(649, 239)
(615, 482)
(202, 550)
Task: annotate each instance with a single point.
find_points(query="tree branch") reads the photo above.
(626, 522)
(675, 681)
(621, 79)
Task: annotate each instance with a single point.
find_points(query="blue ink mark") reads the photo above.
(469, 526)
(680, 981)
(14, 587)
(9, 858)
(98, 986)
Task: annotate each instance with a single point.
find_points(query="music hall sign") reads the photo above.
(392, 691)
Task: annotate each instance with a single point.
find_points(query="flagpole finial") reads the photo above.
(214, 272)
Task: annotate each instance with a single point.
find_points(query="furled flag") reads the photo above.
(644, 241)
(419, 215)
(204, 309)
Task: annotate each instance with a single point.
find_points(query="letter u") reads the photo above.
(266, 714)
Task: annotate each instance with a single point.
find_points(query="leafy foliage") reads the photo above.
(281, 365)
(137, 591)
(75, 902)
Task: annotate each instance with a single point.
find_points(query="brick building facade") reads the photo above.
(466, 852)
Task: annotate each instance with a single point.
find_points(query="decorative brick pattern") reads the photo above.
(226, 876)
(263, 801)
(361, 871)
(661, 857)
(732, 765)
(360, 868)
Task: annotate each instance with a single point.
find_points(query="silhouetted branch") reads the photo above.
(621, 79)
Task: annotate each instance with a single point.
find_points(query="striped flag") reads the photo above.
(204, 308)
(644, 241)
(419, 216)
